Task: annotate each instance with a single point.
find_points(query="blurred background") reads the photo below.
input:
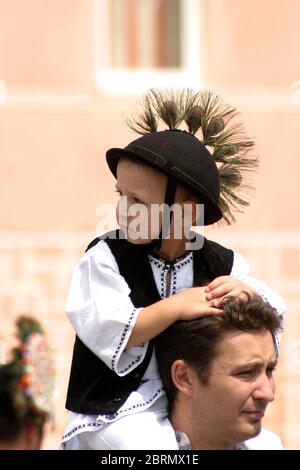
(70, 72)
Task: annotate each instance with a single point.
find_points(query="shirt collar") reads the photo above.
(184, 442)
(176, 263)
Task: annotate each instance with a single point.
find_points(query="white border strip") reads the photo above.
(248, 101)
(11, 239)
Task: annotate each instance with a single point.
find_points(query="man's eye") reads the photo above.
(246, 373)
(270, 370)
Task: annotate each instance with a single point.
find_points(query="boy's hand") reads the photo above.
(227, 286)
(191, 303)
(186, 305)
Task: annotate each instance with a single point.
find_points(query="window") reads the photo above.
(145, 33)
(145, 43)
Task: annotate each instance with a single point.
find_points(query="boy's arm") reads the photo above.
(101, 312)
(105, 319)
(186, 305)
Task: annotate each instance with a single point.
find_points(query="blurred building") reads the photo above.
(69, 73)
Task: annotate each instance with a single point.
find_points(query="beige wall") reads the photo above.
(253, 42)
(56, 126)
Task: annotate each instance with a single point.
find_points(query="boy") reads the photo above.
(133, 283)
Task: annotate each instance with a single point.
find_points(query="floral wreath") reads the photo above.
(32, 389)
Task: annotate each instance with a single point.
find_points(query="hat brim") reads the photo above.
(212, 212)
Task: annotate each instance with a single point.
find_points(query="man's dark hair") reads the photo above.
(197, 341)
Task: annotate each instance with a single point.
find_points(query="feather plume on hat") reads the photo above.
(205, 115)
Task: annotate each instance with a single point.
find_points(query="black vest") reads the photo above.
(93, 387)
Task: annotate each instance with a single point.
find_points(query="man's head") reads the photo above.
(218, 372)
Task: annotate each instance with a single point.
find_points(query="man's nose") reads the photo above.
(265, 389)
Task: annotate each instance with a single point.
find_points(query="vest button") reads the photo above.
(116, 400)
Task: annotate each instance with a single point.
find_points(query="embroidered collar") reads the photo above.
(176, 263)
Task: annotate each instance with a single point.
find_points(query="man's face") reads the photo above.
(240, 387)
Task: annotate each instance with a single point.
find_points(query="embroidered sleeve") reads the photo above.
(101, 311)
(240, 270)
(122, 361)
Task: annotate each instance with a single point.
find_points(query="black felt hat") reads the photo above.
(183, 156)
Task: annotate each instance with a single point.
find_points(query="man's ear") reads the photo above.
(182, 377)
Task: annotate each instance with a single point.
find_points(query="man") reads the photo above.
(217, 372)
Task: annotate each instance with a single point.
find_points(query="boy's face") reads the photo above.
(140, 188)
